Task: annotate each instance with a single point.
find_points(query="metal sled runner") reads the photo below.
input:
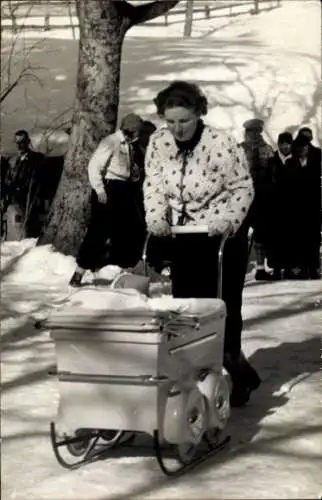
(141, 371)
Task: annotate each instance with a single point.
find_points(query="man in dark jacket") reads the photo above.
(303, 210)
(315, 162)
(258, 152)
(24, 184)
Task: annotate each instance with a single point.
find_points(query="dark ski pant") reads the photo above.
(194, 274)
(121, 221)
(193, 261)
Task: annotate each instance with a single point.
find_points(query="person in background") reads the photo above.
(307, 132)
(302, 211)
(276, 174)
(24, 180)
(315, 157)
(114, 175)
(4, 169)
(258, 152)
(196, 175)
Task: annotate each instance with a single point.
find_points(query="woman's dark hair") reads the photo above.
(181, 94)
(285, 137)
(146, 131)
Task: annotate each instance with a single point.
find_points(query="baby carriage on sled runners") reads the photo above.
(131, 365)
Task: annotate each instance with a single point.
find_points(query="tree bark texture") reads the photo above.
(102, 24)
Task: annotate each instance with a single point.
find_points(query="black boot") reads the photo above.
(277, 275)
(244, 378)
(76, 279)
(262, 275)
(314, 274)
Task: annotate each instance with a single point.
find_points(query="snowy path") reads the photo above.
(276, 440)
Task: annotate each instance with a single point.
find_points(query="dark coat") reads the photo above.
(4, 169)
(301, 210)
(23, 188)
(24, 179)
(277, 221)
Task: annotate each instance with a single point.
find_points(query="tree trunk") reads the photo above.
(188, 18)
(95, 116)
(102, 25)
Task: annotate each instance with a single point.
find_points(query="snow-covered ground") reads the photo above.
(267, 65)
(276, 444)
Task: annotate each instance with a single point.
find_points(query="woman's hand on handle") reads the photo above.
(222, 227)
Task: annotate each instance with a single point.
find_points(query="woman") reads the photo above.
(198, 176)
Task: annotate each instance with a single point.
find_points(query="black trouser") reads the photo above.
(121, 221)
(194, 262)
(194, 274)
(194, 259)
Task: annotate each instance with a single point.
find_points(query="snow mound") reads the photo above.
(11, 250)
(41, 265)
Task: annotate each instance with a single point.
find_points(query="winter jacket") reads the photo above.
(24, 179)
(110, 161)
(211, 184)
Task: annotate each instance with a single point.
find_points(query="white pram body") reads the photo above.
(126, 362)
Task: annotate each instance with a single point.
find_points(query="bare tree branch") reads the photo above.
(24, 75)
(142, 13)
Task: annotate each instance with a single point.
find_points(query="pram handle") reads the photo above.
(195, 230)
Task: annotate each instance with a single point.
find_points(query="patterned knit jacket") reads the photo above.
(212, 186)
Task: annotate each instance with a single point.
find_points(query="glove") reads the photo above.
(220, 226)
(102, 197)
(160, 228)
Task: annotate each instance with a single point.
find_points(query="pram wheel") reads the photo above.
(79, 448)
(111, 437)
(82, 445)
(213, 437)
(186, 453)
(196, 423)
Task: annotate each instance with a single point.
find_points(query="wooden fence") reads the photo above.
(50, 14)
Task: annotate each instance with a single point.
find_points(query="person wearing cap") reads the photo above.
(258, 152)
(114, 174)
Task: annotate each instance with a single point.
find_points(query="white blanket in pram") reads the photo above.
(112, 300)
